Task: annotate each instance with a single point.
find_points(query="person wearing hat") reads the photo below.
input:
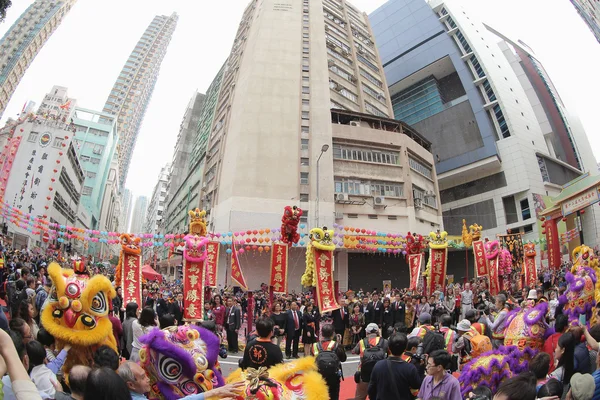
(372, 339)
(532, 297)
(423, 326)
(582, 387)
(462, 327)
(498, 323)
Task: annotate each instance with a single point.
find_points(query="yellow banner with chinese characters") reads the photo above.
(279, 267)
(212, 263)
(325, 287)
(131, 279)
(193, 277)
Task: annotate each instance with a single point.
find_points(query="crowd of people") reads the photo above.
(409, 345)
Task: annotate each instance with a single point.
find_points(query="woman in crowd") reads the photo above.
(357, 324)
(423, 307)
(279, 320)
(409, 311)
(207, 315)
(26, 313)
(387, 317)
(140, 327)
(219, 312)
(450, 301)
(564, 356)
(131, 314)
(309, 332)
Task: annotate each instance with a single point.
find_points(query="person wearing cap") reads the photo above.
(466, 300)
(532, 297)
(498, 323)
(473, 317)
(462, 327)
(582, 387)
(423, 326)
(372, 339)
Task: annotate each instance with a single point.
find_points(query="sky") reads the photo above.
(88, 50)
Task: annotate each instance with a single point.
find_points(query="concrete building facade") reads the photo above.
(132, 91)
(451, 81)
(138, 217)
(126, 209)
(23, 41)
(156, 205)
(589, 10)
(302, 118)
(57, 104)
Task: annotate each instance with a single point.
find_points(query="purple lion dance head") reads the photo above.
(579, 297)
(180, 361)
(493, 367)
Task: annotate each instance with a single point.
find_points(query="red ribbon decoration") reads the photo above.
(415, 261)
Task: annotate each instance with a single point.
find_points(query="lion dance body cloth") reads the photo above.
(76, 312)
(289, 225)
(582, 286)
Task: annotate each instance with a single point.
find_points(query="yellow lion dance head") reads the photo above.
(437, 240)
(197, 222)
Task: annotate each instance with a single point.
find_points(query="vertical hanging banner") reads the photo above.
(194, 257)
(481, 265)
(236, 269)
(324, 280)
(212, 263)
(530, 270)
(131, 279)
(492, 253)
(279, 267)
(513, 242)
(553, 244)
(438, 257)
(415, 263)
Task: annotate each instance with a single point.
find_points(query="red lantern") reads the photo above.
(66, 137)
(248, 240)
(55, 171)
(543, 219)
(60, 153)
(254, 247)
(254, 240)
(52, 179)
(564, 219)
(48, 198)
(50, 189)
(58, 161)
(582, 212)
(255, 232)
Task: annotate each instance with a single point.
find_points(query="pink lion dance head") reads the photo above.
(492, 249)
(195, 248)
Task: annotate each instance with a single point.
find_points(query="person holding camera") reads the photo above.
(329, 354)
(261, 352)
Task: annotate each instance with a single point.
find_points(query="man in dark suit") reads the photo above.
(176, 309)
(340, 318)
(375, 308)
(162, 305)
(233, 322)
(147, 300)
(398, 309)
(364, 309)
(293, 331)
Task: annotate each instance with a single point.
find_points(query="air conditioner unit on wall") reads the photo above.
(341, 197)
(378, 201)
(418, 203)
(354, 123)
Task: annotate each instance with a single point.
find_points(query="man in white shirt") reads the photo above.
(41, 375)
(466, 300)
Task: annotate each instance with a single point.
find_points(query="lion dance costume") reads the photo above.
(582, 286)
(76, 312)
(289, 225)
(181, 361)
(321, 239)
(526, 327)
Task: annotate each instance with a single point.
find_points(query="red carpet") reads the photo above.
(347, 388)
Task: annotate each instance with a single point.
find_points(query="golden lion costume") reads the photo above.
(321, 239)
(76, 312)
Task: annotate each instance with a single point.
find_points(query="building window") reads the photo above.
(339, 57)
(94, 160)
(87, 191)
(342, 152)
(352, 215)
(304, 217)
(392, 217)
(305, 89)
(368, 188)
(543, 169)
(33, 136)
(525, 211)
(372, 216)
(419, 193)
(420, 167)
(305, 129)
(477, 67)
(304, 144)
(374, 110)
(304, 197)
(90, 174)
(305, 115)
(371, 78)
(57, 142)
(489, 92)
(510, 209)
(502, 125)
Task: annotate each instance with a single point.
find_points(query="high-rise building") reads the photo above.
(96, 141)
(23, 41)
(132, 91)
(126, 209)
(156, 205)
(139, 214)
(302, 118)
(57, 104)
(496, 147)
(589, 10)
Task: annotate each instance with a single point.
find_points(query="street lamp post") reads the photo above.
(324, 148)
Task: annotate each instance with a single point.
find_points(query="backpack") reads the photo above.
(477, 344)
(328, 362)
(15, 301)
(371, 355)
(433, 340)
(39, 299)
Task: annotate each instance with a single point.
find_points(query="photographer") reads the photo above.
(261, 352)
(412, 356)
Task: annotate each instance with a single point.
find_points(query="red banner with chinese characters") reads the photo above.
(415, 261)
(193, 277)
(439, 258)
(493, 271)
(212, 263)
(7, 158)
(481, 265)
(131, 279)
(530, 272)
(553, 244)
(279, 267)
(236, 270)
(325, 287)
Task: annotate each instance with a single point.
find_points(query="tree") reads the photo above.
(4, 4)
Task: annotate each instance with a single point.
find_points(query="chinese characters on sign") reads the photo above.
(325, 287)
(552, 242)
(236, 270)
(212, 260)
(530, 272)
(193, 276)
(493, 270)
(131, 279)
(415, 261)
(279, 264)
(439, 258)
(481, 266)
(580, 201)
